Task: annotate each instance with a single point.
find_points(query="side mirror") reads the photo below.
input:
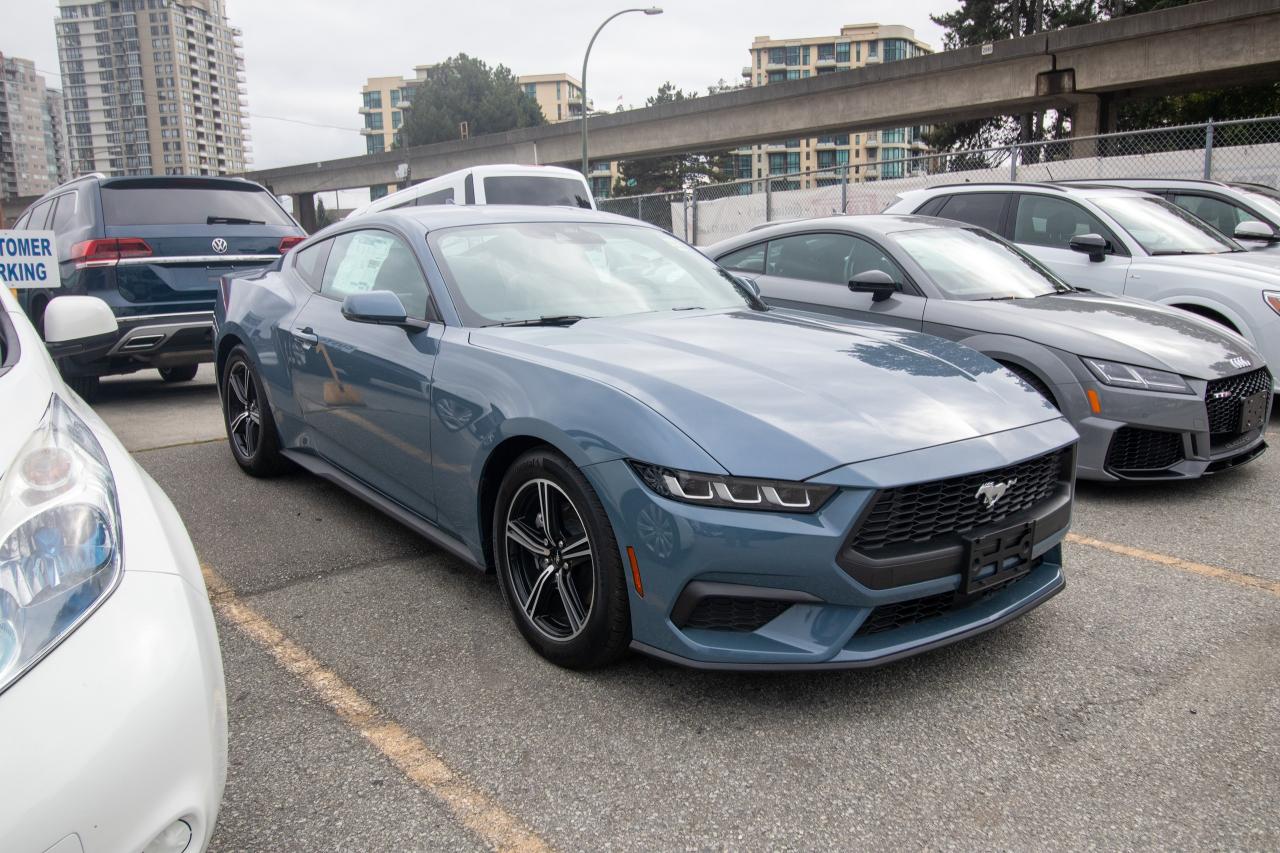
(1255, 230)
(1093, 245)
(74, 325)
(749, 284)
(876, 282)
(379, 307)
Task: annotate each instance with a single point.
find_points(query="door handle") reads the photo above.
(307, 335)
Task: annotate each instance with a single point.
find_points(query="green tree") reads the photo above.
(322, 215)
(463, 88)
(671, 172)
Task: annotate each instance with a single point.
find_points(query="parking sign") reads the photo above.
(28, 259)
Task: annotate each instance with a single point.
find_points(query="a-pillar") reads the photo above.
(304, 210)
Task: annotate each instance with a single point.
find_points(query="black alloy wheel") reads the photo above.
(251, 431)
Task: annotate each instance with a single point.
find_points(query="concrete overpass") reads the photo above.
(1083, 69)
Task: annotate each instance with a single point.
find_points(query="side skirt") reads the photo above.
(405, 516)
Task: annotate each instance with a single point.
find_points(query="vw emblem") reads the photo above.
(992, 491)
(219, 245)
(1240, 361)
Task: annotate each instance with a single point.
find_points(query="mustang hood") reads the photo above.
(784, 394)
(1115, 328)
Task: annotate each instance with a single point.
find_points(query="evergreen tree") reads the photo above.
(463, 88)
(672, 172)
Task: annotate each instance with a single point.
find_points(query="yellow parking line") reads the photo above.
(473, 808)
(179, 444)
(1216, 572)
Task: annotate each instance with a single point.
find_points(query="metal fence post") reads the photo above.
(1013, 163)
(844, 189)
(693, 224)
(639, 208)
(768, 199)
(1208, 150)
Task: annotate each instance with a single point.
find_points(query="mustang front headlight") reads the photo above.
(735, 492)
(1132, 376)
(59, 539)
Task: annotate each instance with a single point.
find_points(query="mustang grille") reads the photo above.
(1134, 449)
(926, 511)
(1224, 413)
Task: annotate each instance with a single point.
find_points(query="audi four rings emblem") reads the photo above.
(1240, 361)
(219, 245)
(991, 491)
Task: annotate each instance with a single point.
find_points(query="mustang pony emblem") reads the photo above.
(992, 491)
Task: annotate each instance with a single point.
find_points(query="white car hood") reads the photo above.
(1247, 266)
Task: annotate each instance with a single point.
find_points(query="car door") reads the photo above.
(811, 271)
(1044, 224)
(365, 390)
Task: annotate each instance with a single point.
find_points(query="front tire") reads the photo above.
(558, 564)
(183, 373)
(251, 431)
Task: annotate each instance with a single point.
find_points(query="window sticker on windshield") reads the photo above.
(358, 269)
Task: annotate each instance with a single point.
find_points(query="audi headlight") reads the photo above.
(59, 539)
(735, 492)
(1132, 376)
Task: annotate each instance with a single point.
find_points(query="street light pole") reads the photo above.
(652, 10)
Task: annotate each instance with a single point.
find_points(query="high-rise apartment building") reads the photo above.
(153, 87)
(559, 95)
(869, 156)
(32, 139)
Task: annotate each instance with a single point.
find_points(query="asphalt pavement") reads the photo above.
(1137, 709)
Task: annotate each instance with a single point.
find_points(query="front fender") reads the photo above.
(1235, 317)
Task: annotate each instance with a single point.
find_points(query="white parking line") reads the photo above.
(472, 807)
(1216, 572)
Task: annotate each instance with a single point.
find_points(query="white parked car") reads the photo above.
(112, 700)
(1125, 242)
(547, 186)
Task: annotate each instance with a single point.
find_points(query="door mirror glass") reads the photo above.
(380, 307)
(74, 325)
(876, 282)
(1255, 230)
(1093, 245)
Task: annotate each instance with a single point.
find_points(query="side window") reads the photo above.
(375, 260)
(812, 257)
(469, 189)
(38, 216)
(750, 259)
(1222, 215)
(932, 206)
(867, 256)
(22, 221)
(444, 196)
(309, 263)
(1047, 221)
(65, 213)
(986, 210)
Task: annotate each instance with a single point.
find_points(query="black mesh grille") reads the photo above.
(726, 613)
(887, 617)
(926, 511)
(1134, 449)
(1224, 411)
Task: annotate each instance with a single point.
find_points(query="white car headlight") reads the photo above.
(1132, 376)
(733, 492)
(59, 539)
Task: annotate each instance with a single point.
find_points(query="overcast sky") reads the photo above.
(307, 59)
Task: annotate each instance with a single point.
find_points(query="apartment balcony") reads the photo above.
(746, 71)
(825, 63)
(871, 140)
(870, 170)
(775, 66)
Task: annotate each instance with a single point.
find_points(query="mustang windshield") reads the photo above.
(969, 264)
(559, 272)
(1163, 228)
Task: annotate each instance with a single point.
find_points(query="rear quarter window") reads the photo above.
(986, 210)
(535, 190)
(750, 259)
(147, 204)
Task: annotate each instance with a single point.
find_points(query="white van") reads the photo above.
(504, 184)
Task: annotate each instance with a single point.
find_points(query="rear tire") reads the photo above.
(558, 565)
(86, 386)
(251, 431)
(183, 373)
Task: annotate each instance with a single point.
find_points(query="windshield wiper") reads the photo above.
(1182, 252)
(233, 220)
(556, 320)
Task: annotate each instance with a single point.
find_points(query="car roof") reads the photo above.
(1067, 188)
(865, 224)
(453, 215)
(1132, 183)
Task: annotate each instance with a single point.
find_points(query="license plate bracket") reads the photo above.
(997, 556)
(1253, 410)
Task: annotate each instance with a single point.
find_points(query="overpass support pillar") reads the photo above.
(304, 210)
(1091, 115)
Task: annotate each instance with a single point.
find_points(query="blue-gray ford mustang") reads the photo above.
(646, 454)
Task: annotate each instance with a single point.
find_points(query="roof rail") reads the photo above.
(1047, 184)
(1110, 181)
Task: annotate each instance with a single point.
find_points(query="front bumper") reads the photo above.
(810, 609)
(1143, 435)
(121, 730)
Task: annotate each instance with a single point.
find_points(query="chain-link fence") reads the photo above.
(1245, 150)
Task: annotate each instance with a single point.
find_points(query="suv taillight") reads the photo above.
(287, 243)
(105, 252)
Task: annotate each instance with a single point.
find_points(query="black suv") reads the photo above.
(154, 248)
